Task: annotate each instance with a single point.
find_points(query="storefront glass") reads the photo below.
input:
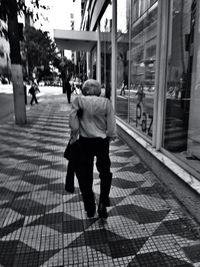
(122, 94)
(143, 60)
(182, 121)
(136, 60)
(94, 63)
(105, 28)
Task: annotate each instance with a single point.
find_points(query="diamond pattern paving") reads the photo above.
(42, 225)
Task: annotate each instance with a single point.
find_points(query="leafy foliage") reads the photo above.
(40, 50)
(6, 7)
(37, 48)
(64, 65)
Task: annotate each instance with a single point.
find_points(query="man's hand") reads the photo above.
(73, 139)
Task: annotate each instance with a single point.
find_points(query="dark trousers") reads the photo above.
(71, 169)
(91, 148)
(33, 99)
(69, 95)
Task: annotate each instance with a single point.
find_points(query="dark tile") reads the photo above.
(48, 219)
(124, 184)
(126, 247)
(193, 253)
(54, 188)
(103, 248)
(11, 227)
(7, 194)
(54, 220)
(73, 226)
(28, 207)
(149, 190)
(7, 252)
(76, 198)
(157, 259)
(37, 179)
(94, 238)
(34, 258)
(140, 214)
(180, 227)
(138, 168)
(126, 154)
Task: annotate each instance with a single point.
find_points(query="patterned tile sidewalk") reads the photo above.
(42, 225)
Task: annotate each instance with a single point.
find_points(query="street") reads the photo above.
(7, 106)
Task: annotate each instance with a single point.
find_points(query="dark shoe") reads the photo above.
(102, 211)
(107, 202)
(69, 189)
(91, 212)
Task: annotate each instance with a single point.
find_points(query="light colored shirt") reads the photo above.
(97, 119)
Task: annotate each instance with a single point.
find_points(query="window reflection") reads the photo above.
(94, 63)
(181, 129)
(123, 12)
(105, 28)
(136, 56)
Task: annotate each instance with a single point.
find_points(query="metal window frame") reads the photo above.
(161, 68)
(114, 54)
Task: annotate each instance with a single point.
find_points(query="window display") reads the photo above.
(182, 123)
(136, 58)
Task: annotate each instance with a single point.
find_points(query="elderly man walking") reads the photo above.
(96, 127)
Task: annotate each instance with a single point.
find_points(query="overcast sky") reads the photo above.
(59, 15)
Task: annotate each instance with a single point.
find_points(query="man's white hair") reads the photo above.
(91, 87)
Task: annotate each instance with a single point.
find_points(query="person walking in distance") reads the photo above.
(68, 90)
(122, 92)
(96, 128)
(33, 90)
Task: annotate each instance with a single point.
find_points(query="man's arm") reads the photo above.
(74, 120)
(111, 122)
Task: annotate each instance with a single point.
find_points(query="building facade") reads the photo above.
(147, 57)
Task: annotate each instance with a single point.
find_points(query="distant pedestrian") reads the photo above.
(122, 92)
(96, 128)
(74, 89)
(25, 93)
(33, 91)
(68, 90)
(140, 93)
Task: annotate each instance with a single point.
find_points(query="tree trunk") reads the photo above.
(16, 67)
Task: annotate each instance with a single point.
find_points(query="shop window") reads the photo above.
(142, 72)
(136, 58)
(182, 121)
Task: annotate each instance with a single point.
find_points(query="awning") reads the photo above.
(75, 40)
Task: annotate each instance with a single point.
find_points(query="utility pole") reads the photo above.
(16, 67)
